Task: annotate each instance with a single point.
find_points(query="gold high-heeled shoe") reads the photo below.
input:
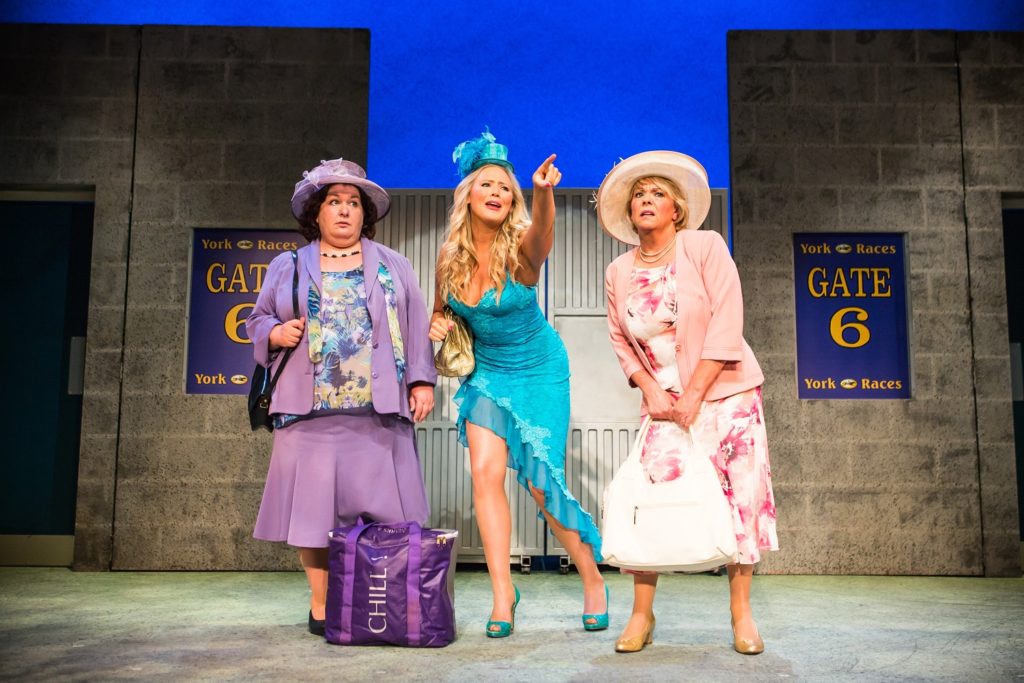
(747, 646)
(637, 643)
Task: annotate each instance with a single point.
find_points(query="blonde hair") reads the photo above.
(671, 189)
(457, 262)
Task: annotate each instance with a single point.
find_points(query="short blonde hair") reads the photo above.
(671, 189)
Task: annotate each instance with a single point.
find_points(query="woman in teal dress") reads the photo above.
(514, 406)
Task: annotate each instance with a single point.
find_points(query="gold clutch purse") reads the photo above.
(455, 357)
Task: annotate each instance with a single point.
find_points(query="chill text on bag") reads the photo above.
(378, 618)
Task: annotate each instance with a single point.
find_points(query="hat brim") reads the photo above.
(374, 192)
(503, 163)
(614, 194)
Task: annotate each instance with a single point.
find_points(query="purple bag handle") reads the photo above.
(412, 584)
(350, 581)
(412, 580)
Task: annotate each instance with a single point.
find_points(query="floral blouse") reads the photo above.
(340, 327)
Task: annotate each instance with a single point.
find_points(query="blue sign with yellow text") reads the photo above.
(227, 273)
(851, 315)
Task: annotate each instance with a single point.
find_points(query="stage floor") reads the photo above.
(161, 626)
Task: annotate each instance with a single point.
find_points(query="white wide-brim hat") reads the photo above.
(613, 196)
(335, 172)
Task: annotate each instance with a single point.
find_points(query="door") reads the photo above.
(1013, 251)
(605, 412)
(45, 278)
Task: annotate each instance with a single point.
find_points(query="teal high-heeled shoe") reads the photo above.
(505, 628)
(600, 621)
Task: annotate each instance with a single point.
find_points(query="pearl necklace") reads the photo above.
(341, 255)
(651, 258)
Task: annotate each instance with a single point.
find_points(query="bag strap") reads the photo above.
(349, 577)
(644, 427)
(412, 584)
(638, 443)
(295, 311)
(412, 579)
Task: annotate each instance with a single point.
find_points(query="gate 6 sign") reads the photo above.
(227, 272)
(851, 315)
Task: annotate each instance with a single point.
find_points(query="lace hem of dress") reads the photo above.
(527, 454)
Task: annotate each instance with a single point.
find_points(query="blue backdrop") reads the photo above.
(590, 80)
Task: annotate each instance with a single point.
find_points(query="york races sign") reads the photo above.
(851, 315)
(227, 274)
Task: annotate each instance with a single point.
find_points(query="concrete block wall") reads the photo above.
(228, 120)
(861, 131)
(174, 128)
(67, 121)
(992, 97)
(177, 127)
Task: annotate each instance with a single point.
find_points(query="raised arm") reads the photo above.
(537, 241)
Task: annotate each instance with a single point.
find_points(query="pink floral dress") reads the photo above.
(731, 428)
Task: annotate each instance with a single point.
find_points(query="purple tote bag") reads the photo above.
(391, 584)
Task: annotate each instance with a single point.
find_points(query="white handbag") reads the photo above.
(680, 525)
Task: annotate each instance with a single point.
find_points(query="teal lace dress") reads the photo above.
(520, 391)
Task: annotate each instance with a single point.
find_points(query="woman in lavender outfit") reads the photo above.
(362, 372)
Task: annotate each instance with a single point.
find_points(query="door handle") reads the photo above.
(76, 366)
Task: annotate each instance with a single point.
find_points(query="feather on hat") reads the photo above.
(472, 154)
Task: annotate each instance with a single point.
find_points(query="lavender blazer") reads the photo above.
(294, 391)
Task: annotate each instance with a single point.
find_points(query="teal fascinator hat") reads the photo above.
(472, 154)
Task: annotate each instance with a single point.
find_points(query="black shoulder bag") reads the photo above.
(262, 385)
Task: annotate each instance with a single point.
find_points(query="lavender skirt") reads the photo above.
(327, 471)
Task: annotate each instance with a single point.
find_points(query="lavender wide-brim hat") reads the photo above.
(614, 194)
(334, 172)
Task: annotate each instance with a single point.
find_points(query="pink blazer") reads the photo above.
(710, 315)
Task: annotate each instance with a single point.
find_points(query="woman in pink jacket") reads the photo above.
(675, 316)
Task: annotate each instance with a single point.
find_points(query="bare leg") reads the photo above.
(488, 456)
(740, 577)
(582, 556)
(314, 561)
(644, 587)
